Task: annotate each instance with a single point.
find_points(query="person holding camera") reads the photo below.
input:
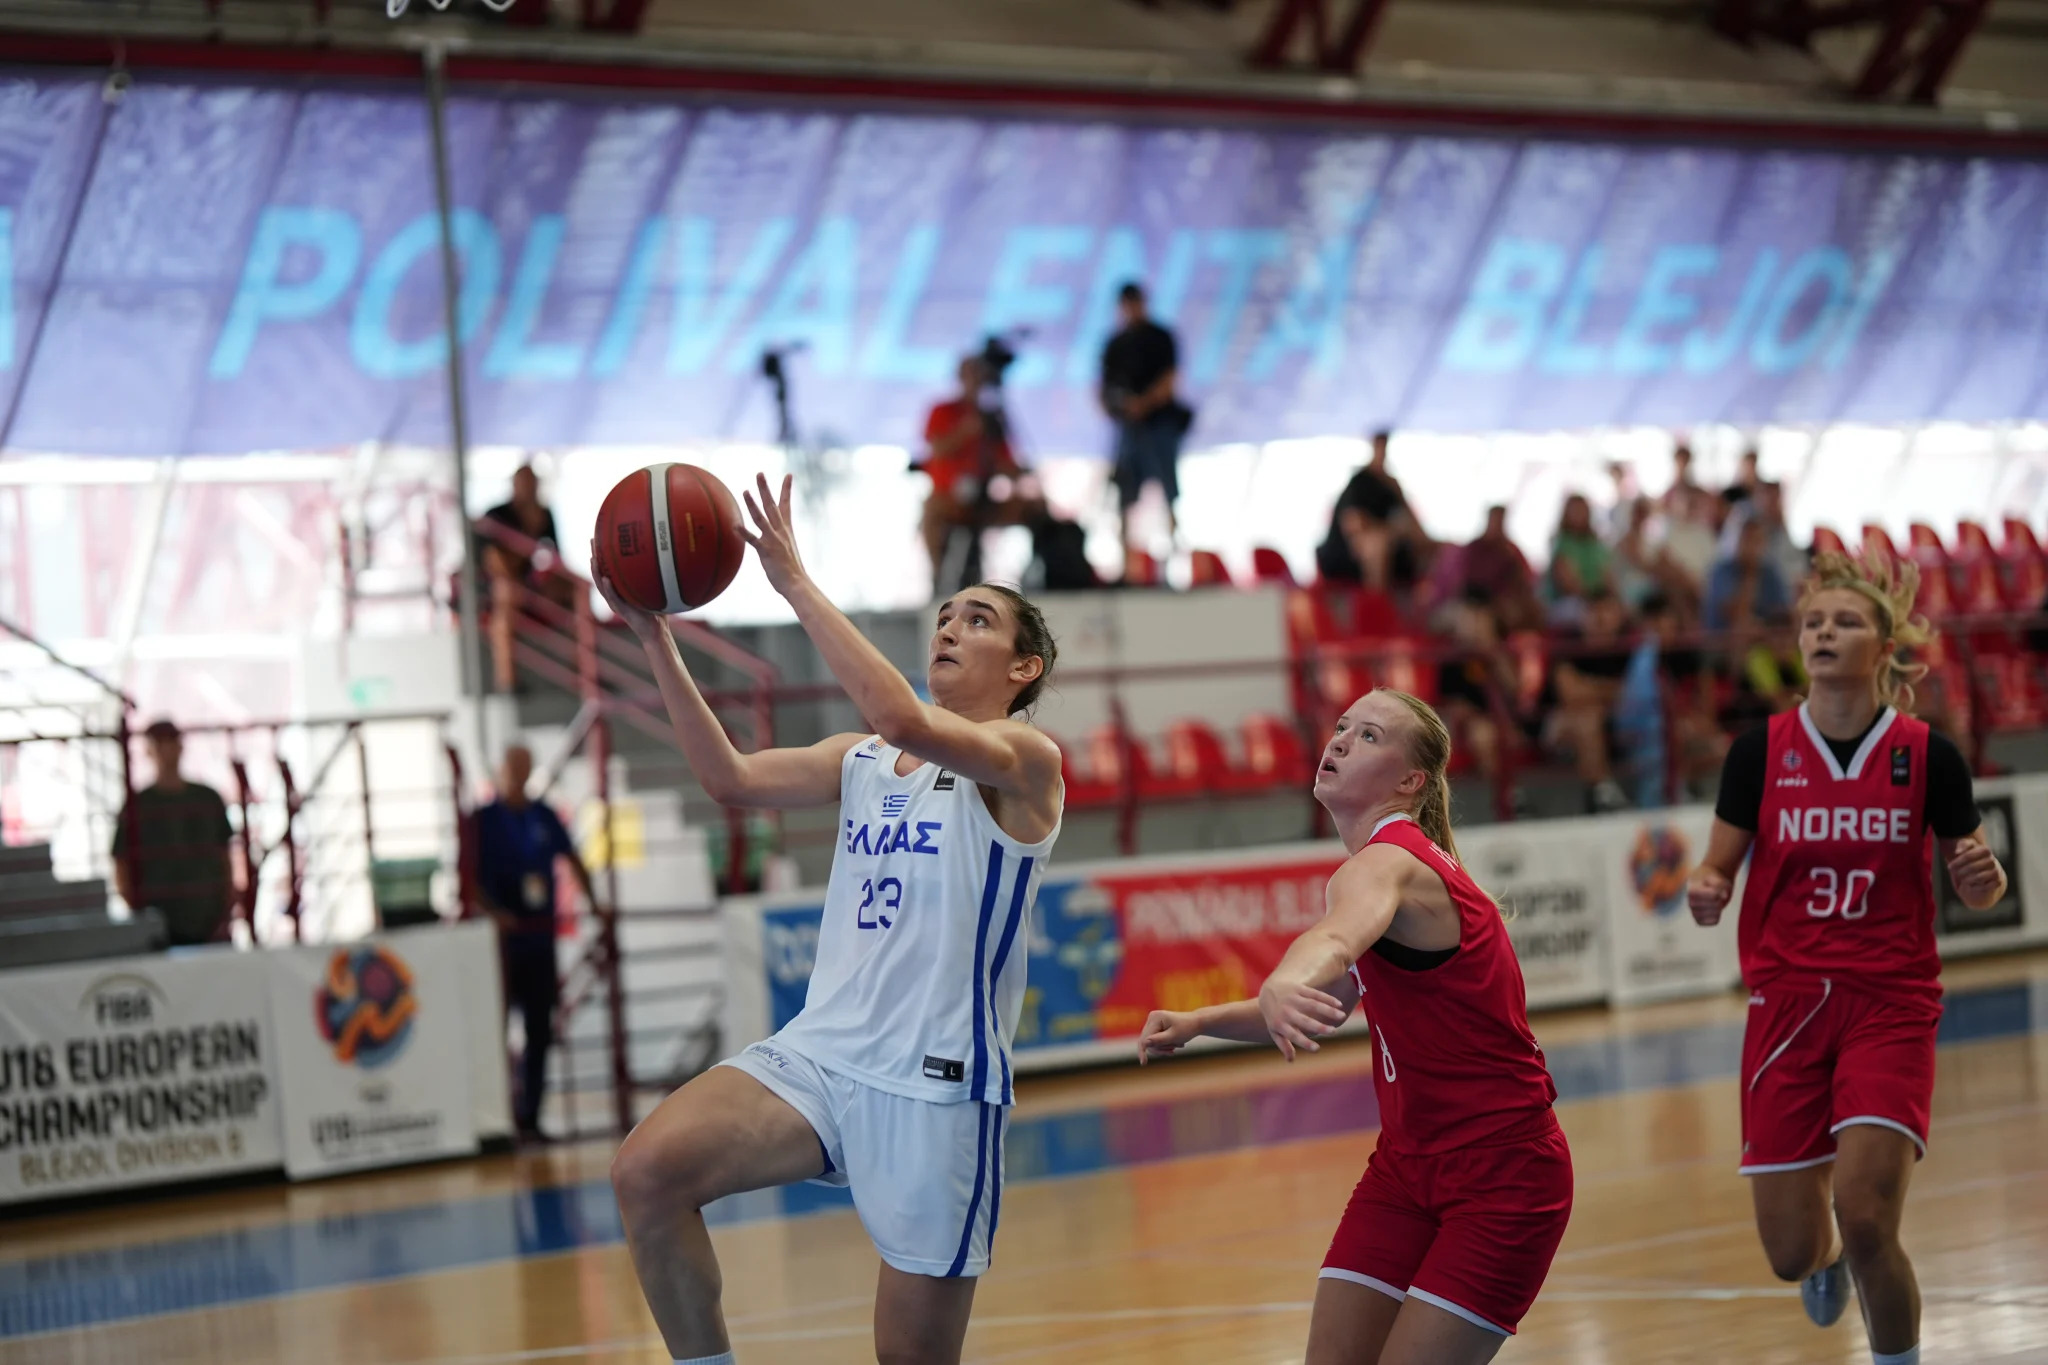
(967, 446)
(1140, 365)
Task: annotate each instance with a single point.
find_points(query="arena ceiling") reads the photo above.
(1975, 64)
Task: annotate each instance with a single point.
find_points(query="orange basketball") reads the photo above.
(669, 537)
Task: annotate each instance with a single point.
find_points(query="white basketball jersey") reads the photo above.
(919, 977)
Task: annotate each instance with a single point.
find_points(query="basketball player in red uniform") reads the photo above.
(1834, 804)
(1449, 1234)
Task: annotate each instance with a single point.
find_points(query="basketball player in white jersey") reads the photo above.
(895, 1078)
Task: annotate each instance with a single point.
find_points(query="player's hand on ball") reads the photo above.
(1975, 872)
(1707, 892)
(773, 536)
(1165, 1033)
(1297, 1015)
(638, 619)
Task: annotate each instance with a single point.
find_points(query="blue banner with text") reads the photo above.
(216, 269)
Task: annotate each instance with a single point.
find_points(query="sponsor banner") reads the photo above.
(2015, 818)
(373, 1052)
(1112, 941)
(1656, 950)
(218, 251)
(135, 1072)
(1556, 902)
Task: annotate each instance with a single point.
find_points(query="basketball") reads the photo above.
(668, 536)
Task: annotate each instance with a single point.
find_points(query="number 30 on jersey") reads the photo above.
(1833, 892)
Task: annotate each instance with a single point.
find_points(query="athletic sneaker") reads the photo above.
(1825, 1293)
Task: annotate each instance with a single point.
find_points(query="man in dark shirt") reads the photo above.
(1140, 365)
(518, 554)
(171, 847)
(517, 843)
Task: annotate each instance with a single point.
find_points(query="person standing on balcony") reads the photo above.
(1140, 368)
(171, 847)
(518, 841)
(518, 552)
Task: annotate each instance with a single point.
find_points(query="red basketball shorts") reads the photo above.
(1817, 1058)
(1470, 1230)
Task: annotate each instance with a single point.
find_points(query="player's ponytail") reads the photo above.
(1034, 640)
(1890, 586)
(1429, 747)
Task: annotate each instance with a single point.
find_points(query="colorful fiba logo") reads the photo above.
(365, 1006)
(1658, 865)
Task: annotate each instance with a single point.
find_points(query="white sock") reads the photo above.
(725, 1358)
(1909, 1356)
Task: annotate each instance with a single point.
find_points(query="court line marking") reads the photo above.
(1679, 1235)
(1172, 1315)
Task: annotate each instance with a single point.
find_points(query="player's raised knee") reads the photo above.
(659, 1165)
(1794, 1254)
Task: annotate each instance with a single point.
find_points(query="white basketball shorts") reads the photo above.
(927, 1179)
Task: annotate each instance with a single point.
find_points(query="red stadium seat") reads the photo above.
(1207, 570)
(1198, 742)
(2026, 570)
(1937, 588)
(1184, 773)
(1140, 570)
(1826, 542)
(1974, 572)
(1270, 566)
(1273, 749)
(1086, 786)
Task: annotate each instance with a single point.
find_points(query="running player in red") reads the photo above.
(1834, 804)
(1449, 1234)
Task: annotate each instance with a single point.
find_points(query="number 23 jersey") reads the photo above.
(919, 977)
(1841, 876)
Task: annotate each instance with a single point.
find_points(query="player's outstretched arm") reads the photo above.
(774, 779)
(1005, 754)
(1973, 869)
(1712, 883)
(1311, 992)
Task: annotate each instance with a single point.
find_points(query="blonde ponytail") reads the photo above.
(1429, 747)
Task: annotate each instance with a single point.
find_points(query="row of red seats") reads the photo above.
(1972, 576)
(1206, 569)
(1196, 762)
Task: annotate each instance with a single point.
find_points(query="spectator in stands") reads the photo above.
(1766, 506)
(1751, 603)
(171, 847)
(1745, 591)
(1494, 566)
(1585, 683)
(1374, 539)
(1682, 485)
(1477, 684)
(518, 842)
(1746, 480)
(1579, 568)
(1664, 712)
(970, 462)
(518, 553)
(1140, 368)
(1685, 537)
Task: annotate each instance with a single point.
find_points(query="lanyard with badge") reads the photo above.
(534, 887)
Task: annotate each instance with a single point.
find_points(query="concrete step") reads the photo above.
(77, 937)
(19, 858)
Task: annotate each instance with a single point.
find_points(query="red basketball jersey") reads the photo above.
(1457, 1063)
(1841, 876)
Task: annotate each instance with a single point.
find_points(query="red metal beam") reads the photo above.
(1331, 47)
(1914, 51)
(98, 53)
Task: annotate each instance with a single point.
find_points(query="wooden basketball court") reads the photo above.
(1172, 1214)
